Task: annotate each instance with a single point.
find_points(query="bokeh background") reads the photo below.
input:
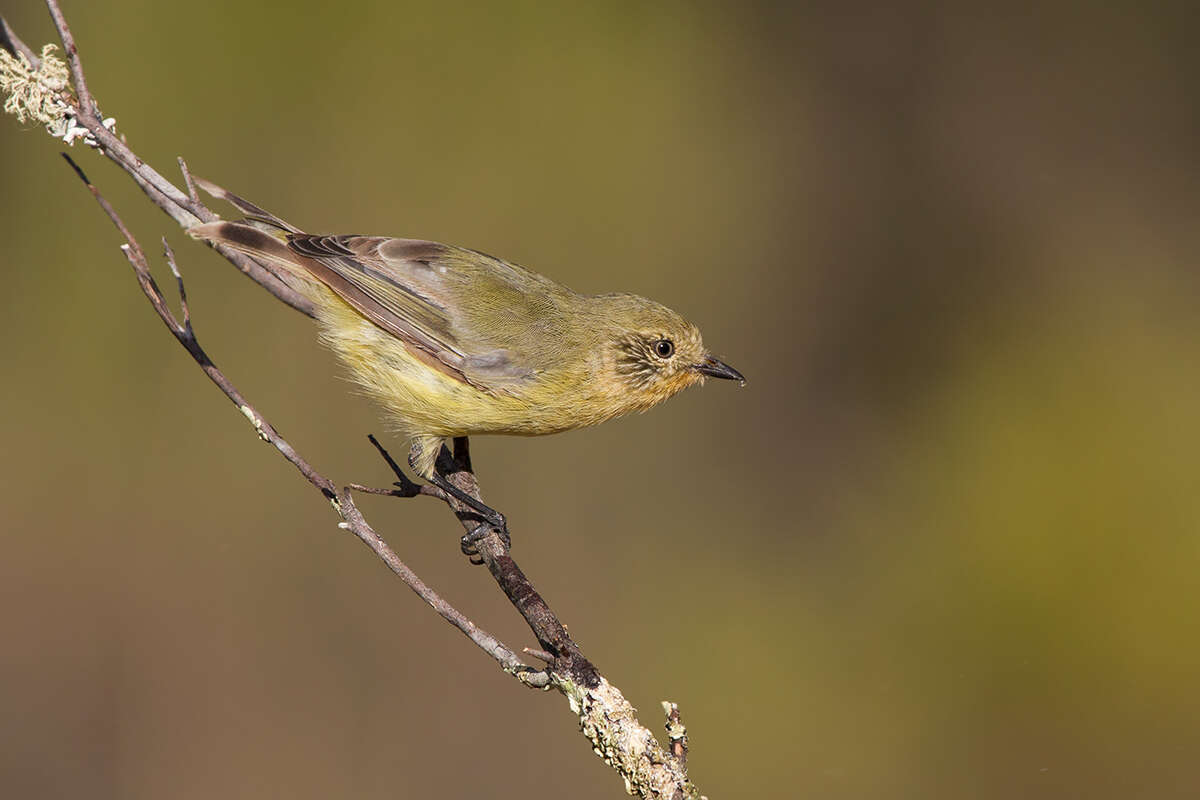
(944, 544)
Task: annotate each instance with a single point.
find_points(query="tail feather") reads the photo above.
(247, 238)
(245, 206)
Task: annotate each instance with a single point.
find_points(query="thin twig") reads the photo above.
(88, 112)
(362, 489)
(185, 210)
(141, 268)
(183, 303)
(13, 44)
(489, 644)
(187, 180)
(539, 654)
(86, 103)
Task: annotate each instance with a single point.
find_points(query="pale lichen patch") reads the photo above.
(35, 94)
(255, 421)
(43, 95)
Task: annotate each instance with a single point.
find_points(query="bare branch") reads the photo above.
(185, 209)
(12, 43)
(363, 489)
(183, 304)
(187, 179)
(68, 40)
(506, 658)
(538, 654)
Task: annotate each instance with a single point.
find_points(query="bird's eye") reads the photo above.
(664, 348)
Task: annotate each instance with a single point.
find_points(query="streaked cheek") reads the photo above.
(684, 379)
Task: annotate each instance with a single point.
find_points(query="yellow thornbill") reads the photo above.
(454, 342)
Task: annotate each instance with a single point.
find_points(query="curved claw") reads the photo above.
(468, 540)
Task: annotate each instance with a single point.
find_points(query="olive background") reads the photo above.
(943, 544)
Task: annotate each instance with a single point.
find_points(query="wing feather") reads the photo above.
(412, 288)
(478, 319)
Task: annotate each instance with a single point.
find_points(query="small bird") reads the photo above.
(455, 342)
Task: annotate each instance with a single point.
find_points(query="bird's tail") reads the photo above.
(261, 235)
(253, 213)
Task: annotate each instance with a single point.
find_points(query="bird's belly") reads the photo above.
(427, 400)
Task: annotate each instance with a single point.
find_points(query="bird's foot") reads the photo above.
(492, 519)
(470, 540)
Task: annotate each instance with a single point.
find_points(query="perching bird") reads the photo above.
(454, 342)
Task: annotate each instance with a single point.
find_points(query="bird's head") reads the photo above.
(654, 353)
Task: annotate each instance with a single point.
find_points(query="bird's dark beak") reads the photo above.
(716, 369)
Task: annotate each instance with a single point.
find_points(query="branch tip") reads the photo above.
(676, 733)
(541, 655)
(187, 180)
(78, 170)
(87, 105)
(13, 44)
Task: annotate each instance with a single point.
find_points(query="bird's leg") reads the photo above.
(492, 517)
(407, 488)
(460, 461)
(447, 464)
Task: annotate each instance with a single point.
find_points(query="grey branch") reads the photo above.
(607, 720)
(10, 42)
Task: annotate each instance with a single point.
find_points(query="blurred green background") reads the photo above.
(945, 543)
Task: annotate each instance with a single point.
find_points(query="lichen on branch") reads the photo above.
(42, 94)
(35, 93)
